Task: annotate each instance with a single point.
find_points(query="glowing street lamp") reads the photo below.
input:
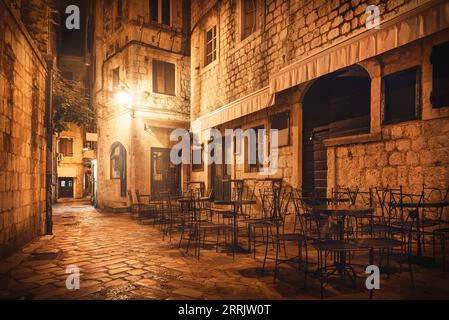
(123, 98)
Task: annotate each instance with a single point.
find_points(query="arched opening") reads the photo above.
(118, 166)
(335, 105)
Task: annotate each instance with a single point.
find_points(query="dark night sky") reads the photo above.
(72, 42)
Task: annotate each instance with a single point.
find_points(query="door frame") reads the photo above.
(72, 188)
(179, 168)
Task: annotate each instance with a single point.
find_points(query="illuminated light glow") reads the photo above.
(123, 98)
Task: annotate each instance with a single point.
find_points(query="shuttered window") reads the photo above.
(120, 9)
(66, 147)
(211, 46)
(281, 122)
(160, 11)
(401, 96)
(116, 77)
(254, 165)
(249, 17)
(440, 84)
(154, 10)
(163, 77)
(197, 158)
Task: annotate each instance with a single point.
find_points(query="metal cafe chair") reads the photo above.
(441, 232)
(368, 238)
(144, 210)
(259, 225)
(300, 235)
(200, 226)
(331, 242)
(134, 207)
(280, 210)
(280, 201)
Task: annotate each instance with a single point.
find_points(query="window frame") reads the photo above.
(160, 12)
(71, 155)
(198, 167)
(243, 35)
(214, 45)
(258, 166)
(438, 73)
(418, 85)
(115, 157)
(116, 76)
(286, 112)
(155, 62)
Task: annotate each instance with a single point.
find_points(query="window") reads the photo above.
(253, 149)
(197, 158)
(163, 77)
(160, 11)
(116, 162)
(440, 84)
(281, 122)
(211, 46)
(120, 9)
(118, 166)
(116, 77)
(249, 17)
(66, 147)
(401, 96)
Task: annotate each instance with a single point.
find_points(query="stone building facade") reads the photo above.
(142, 93)
(23, 148)
(333, 70)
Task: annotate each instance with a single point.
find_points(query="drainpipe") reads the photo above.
(49, 147)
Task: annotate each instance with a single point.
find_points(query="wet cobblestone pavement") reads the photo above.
(120, 259)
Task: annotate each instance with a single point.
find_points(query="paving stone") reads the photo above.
(124, 260)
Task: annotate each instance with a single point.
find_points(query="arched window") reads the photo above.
(118, 166)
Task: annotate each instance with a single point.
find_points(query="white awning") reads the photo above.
(254, 102)
(418, 23)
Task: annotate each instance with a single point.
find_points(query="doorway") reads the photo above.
(65, 188)
(221, 174)
(335, 106)
(165, 176)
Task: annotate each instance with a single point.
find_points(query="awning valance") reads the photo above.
(418, 23)
(256, 101)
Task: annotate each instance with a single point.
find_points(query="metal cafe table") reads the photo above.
(340, 212)
(237, 211)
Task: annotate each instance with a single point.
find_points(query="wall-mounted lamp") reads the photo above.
(147, 128)
(123, 98)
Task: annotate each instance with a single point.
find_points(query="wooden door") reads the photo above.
(220, 177)
(315, 161)
(65, 188)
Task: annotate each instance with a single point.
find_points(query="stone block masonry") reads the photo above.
(411, 154)
(22, 135)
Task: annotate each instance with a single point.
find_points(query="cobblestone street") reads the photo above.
(121, 259)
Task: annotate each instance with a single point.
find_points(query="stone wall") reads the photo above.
(287, 30)
(410, 155)
(22, 135)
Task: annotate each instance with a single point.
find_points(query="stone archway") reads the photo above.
(335, 105)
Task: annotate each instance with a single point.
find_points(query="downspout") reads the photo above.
(49, 147)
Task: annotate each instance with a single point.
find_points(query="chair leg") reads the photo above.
(266, 252)
(443, 248)
(412, 278)
(306, 266)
